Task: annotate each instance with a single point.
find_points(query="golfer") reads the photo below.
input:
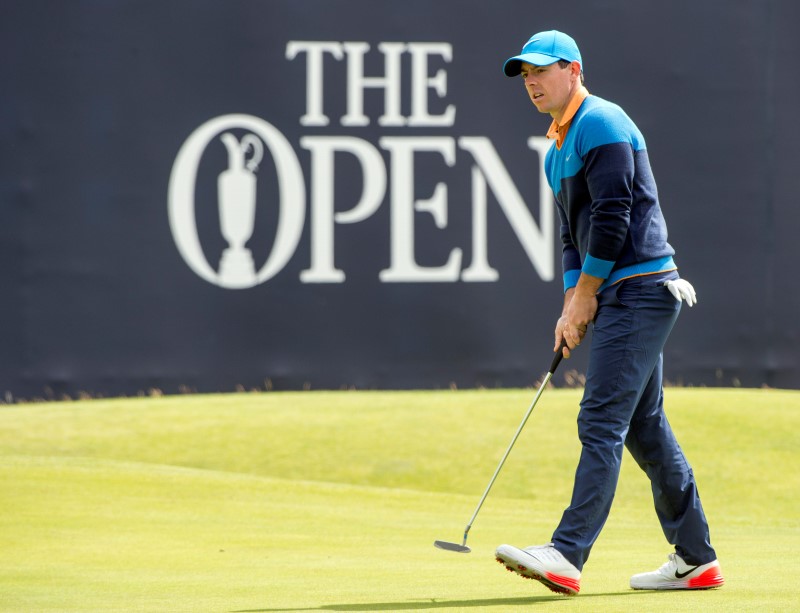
(619, 277)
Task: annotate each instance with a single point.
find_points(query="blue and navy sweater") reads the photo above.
(611, 223)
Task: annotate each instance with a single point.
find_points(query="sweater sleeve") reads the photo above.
(570, 257)
(608, 153)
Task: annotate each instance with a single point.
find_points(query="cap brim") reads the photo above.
(513, 65)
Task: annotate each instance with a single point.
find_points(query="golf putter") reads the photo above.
(463, 548)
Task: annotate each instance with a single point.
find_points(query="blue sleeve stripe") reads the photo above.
(597, 267)
(571, 278)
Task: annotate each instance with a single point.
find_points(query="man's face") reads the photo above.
(550, 87)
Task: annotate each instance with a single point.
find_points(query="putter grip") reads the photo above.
(558, 357)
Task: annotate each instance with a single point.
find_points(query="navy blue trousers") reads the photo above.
(623, 404)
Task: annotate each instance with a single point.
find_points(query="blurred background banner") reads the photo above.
(207, 196)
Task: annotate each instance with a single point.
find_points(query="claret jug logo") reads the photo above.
(247, 139)
(237, 200)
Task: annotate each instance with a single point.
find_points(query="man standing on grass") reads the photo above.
(619, 276)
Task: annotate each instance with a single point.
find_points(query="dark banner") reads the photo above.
(296, 194)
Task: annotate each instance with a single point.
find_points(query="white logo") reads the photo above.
(236, 194)
(388, 166)
(236, 188)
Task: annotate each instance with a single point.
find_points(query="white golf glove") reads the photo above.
(682, 290)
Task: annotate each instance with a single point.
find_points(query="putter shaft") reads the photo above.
(508, 451)
(463, 547)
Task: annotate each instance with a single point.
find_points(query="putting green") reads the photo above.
(319, 501)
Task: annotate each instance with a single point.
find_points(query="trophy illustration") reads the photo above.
(236, 189)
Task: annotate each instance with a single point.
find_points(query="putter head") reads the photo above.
(451, 546)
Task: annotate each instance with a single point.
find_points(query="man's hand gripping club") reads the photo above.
(580, 308)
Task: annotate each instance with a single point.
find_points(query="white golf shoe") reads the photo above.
(678, 575)
(543, 563)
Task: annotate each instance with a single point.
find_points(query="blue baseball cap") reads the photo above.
(543, 49)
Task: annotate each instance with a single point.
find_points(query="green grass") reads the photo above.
(317, 501)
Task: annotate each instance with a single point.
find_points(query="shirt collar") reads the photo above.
(558, 129)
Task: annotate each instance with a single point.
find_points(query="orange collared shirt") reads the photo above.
(558, 129)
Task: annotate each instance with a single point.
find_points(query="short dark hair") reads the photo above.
(565, 64)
